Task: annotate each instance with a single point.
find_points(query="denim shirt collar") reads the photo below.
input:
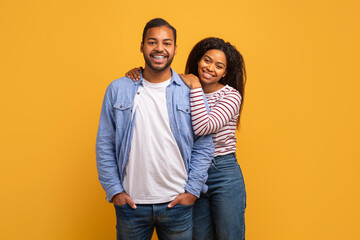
(175, 78)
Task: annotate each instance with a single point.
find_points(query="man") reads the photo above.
(150, 164)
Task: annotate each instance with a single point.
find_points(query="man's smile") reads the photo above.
(158, 58)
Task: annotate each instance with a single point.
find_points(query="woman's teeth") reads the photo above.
(207, 75)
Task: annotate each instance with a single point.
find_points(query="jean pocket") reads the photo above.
(224, 166)
(184, 206)
(120, 206)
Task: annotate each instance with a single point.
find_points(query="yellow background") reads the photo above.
(299, 140)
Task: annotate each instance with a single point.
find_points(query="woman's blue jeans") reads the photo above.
(219, 214)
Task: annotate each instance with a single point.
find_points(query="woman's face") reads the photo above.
(212, 66)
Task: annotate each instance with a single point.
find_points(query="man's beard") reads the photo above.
(153, 66)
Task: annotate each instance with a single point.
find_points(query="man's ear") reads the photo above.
(142, 47)
(175, 49)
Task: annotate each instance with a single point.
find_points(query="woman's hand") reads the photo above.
(134, 74)
(191, 80)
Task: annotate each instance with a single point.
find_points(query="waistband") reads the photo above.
(228, 156)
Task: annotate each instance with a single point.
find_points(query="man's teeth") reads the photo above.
(158, 57)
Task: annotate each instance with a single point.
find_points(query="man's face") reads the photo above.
(158, 48)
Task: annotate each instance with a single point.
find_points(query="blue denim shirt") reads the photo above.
(117, 125)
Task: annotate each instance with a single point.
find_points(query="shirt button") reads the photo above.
(138, 93)
(187, 110)
(120, 106)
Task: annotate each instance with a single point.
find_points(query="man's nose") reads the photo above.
(159, 47)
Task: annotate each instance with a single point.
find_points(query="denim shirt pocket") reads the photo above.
(122, 113)
(184, 116)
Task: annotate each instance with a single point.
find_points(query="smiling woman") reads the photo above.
(219, 69)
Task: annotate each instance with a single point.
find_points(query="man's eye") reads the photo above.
(151, 43)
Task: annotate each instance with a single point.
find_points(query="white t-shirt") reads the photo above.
(155, 172)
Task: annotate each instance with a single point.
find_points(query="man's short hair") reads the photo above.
(158, 22)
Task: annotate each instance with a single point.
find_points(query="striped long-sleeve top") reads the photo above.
(221, 121)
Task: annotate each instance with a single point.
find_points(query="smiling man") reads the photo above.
(150, 164)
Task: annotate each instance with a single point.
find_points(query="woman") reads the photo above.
(218, 69)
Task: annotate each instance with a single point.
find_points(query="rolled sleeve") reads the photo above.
(105, 150)
(201, 155)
